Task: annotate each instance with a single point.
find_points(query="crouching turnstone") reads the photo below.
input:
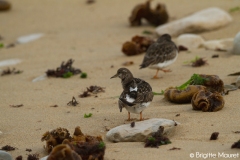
(160, 54)
(137, 94)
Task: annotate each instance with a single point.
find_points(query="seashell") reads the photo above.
(182, 96)
(29, 38)
(207, 101)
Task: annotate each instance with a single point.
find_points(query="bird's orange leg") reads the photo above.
(156, 75)
(128, 117)
(166, 70)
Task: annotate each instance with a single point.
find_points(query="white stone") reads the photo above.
(141, 130)
(236, 44)
(5, 155)
(204, 20)
(44, 158)
(191, 41)
(238, 82)
(9, 62)
(40, 78)
(29, 38)
(222, 44)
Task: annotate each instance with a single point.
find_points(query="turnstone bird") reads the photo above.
(137, 94)
(160, 54)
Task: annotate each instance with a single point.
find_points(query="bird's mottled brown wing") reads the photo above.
(158, 53)
(120, 103)
(144, 92)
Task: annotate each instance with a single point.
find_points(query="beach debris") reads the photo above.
(40, 78)
(87, 115)
(9, 71)
(73, 102)
(28, 150)
(1, 45)
(147, 32)
(55, 137)
(228, 88)
(86, 146)
(236, 44)
(161, 93)
(65, 70)
(56, 105)
(63, 152)
(141, 131)
(19, 157)
(174, 148)
(236, 131)
(197, 62)
(234, 74)
(10, 45)
(29, 38)
(137, 45)
(92, 89)
(182, 48)
(90, 1)
(190, 41)
(157, 16)
(211, 82)
(207, 101)
(4, 5)
(177, 95)
(9, 62)
(83, 75)
(177, 115)
(157, 139)
(197, 22)
(132, 124)
(33, 156)
(128, 63)
(8, 148)
(215, 56)
(17, 106)
(214, 136)
(236, 144)
(234, 9)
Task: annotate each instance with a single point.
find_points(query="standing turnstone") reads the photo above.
(137, 94)
(160, 54)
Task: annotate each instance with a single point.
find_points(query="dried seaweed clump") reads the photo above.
(55, 137)
(5, 5)
(65, 70)
(8, 148)
(155, 17)
(213, 83)
(207, 101)
(9, 71)
(176, 95)
(214, 135)
(157, 139)
(79, 147)
(138, 45)
(236, 144)
(33, 156)
(92, 89)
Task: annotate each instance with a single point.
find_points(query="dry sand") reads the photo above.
(92, 35)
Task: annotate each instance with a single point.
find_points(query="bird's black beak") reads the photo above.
(116, 75)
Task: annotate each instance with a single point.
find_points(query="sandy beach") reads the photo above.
(92, 35)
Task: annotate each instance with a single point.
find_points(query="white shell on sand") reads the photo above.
(29, 38)
(191, 41)
(204, 20)
(236, 44)
(222, 44)
(44, 158)
(141, 130)
(40, 78)
(9, 62)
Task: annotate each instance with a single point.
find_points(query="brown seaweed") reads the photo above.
(207, 101)
(19, 158)
(65, 70)
(182, 48)
(138, 45)
(8, 148)
(16, 106)
(155, 17)
(5, 5)
(73, 102)
(234, 74)
(33, 156)
(213, 83)
(9, 71)
(175, 95)
(157, 139)
(92, 89)
(175, 148)
(236, 144)
(199, 62)
(214, 136)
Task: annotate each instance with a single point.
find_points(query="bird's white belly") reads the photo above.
(137, 108)
(164, 64)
